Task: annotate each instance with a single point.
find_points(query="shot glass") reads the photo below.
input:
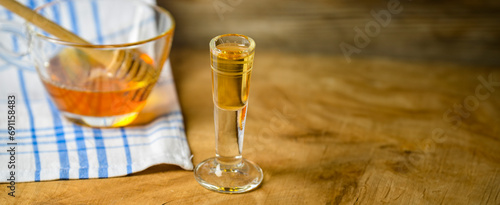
(231, 57)
(104, 83)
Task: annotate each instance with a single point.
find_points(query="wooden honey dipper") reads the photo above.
(121, 62)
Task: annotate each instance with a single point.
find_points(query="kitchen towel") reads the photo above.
(46, 146)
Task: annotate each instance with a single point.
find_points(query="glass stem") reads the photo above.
(229, 134)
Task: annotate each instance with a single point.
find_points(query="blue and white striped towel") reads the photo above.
(49, 147)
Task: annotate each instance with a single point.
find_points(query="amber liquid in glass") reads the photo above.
(80, 85)
(231, 71)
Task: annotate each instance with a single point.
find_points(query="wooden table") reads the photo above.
(373, 131)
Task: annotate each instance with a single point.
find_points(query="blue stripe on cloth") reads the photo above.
(74, 21)
(61, 142)
(31, 124)
(80, 142)
(109, 137)
(159, 119)
(58, 128)
(127, 151)
(82, 152)
(100, 147)
(31, 4)
(101, 153)
(30, 115)
(55, 8)
(95, 12)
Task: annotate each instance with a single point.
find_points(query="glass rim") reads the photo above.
(30, 28)
(249, 49)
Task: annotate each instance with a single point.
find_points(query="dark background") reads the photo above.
(462, 31)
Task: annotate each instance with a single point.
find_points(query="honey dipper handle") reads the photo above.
(41, 22)
(103, 56)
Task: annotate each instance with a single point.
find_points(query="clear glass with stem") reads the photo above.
(232, 62)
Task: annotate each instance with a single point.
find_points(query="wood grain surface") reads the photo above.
(465, 31)
(373, 131)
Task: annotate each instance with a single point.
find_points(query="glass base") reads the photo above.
(109, 121)
(239, 178)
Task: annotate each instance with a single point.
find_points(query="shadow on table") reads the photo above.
(157, 169)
